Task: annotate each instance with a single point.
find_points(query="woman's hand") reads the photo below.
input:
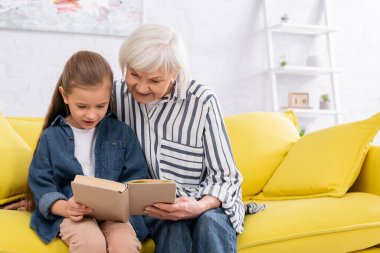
(183, 208)
(20, 206)
(70, 209)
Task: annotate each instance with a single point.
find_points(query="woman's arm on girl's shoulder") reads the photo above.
(20, 206)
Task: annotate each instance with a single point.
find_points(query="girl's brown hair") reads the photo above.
(84, 68)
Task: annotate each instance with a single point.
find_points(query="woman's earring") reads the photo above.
(178, 85)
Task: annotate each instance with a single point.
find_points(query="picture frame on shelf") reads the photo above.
(298, 100)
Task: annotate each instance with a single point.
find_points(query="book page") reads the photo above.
(148, 192)
(150, 181)
(100, 183)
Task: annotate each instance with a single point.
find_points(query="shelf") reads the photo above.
(312, 111)
(305, 70)
(301, 29)
(277, 35)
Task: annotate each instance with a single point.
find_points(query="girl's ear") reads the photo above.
(62, 91)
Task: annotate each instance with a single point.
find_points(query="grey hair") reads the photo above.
(154, 47)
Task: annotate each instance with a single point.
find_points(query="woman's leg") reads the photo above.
(171, 236)
(83, 236)
(120, 237)
(213, 232)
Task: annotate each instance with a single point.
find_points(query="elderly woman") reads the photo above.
(181, 130)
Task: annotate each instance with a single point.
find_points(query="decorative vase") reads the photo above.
(314, 61)
(324, 105)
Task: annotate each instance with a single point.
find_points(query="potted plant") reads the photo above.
(284, 60)
(283, 63)
(324, 103)
(302, 131)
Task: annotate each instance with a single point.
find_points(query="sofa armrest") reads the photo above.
(369, 177)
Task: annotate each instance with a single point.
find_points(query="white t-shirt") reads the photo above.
(84, 141)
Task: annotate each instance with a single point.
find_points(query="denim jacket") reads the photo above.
(118, 157)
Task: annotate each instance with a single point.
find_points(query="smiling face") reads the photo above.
(88, 104)
(147, 87)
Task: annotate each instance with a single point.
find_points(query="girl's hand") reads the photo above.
(70, 209)
(76, 211)
(183, 208)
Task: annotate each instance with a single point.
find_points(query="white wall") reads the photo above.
(227, 50)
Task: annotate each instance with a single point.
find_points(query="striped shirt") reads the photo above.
(184, 139)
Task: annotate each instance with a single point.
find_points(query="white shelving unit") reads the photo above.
(330, 70)
(305, 70)
(313, 111)
(301, 29)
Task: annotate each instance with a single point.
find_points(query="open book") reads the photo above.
(115, 201)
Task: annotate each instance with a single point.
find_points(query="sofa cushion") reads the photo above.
(15, 156)
(16, 236)
(325, 224)
(323, 163)
(259, 142)
(29, 128)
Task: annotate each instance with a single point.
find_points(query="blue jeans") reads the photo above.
(210, 232)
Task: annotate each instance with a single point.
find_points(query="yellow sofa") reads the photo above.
(320, 207)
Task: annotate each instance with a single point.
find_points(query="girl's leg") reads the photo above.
(83, 236)
(120, 237)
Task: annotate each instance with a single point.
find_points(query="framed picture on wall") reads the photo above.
(101, 17)
(298, 100)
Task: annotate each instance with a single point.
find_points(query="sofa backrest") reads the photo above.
(18, 137)
(259, 142)
(29, 128)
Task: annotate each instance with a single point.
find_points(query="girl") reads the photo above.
(81, 136)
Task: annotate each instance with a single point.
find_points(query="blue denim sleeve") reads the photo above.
(46, 201)
(135, 166)
(41, 180)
